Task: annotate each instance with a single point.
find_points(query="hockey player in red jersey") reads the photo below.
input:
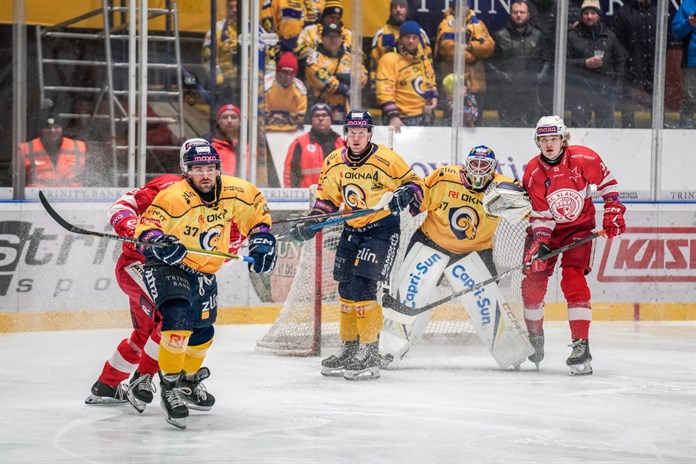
(558, 181)
(139, 350)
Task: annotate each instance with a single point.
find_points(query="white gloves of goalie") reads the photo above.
(507, 200)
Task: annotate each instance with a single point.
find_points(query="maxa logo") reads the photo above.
(13, 236)
(645, 254)
(547, 130)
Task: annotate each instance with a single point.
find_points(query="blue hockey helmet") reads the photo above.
(199, 155)
(357, 119)
(480, 166)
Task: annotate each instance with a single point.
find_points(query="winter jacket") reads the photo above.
(634, 26)
(519, 57)
(582, 42)
(681, 29)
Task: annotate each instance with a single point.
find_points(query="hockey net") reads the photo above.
(309, 317)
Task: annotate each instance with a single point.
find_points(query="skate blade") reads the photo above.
(103, 400)
(331, 372)
(581, 369)
(178, 423)
(191, 405)
(366, 374)
(136, 403)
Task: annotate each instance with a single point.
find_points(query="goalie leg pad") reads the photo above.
(489, 312)
(416, 283)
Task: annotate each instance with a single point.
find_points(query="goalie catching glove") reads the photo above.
(262, 247)
(614, 223)
(507, 200)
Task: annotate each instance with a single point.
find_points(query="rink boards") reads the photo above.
(51, 278)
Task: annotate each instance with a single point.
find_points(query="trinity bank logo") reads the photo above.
(650, 254)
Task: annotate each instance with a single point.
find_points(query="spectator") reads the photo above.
(479, 47)
(542, 15)
(595, 69)
(470, 111)
(634, 26)
(519, 59)
(684, 27)
(286, 96)
(286, 18)
(406, 88)
(311, 35)
(386, 39)
(52, 160)
(225, 138)
(227, 53)
(307, 152)
(328, 72)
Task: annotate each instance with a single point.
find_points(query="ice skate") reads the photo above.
(364, 365)
(334, 365)
(579, 360)
(172, 401)
(105, 394)
(537, 342)
(140, 391)
(199, 398)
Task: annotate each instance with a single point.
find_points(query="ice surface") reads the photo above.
(444, 404)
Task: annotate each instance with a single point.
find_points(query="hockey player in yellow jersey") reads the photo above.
(328, 72)
(197, 212)
(456, 224)
(358, 176)
(405, 86)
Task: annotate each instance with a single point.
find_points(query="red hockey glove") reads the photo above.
(124, 224)
(538, 247)
(614, 223)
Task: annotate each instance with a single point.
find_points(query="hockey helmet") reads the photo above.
(358, 119)
(186, 146)
(551, 125)
(200, 155)
(480, 166)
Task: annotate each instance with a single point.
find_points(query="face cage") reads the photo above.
(479, 171)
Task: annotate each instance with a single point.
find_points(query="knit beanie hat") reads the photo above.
(320, 107)
(393, 3)
(332, 29)
(332, 7)
(287, 62)
(592, 4)
(228, 107)
(409, 27)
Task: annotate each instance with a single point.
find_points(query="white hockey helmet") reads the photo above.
(185, 148)
(551, 125)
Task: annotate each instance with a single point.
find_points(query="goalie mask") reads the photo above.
(551, 125)
(480, 167)
(200, 155)
(186, 146)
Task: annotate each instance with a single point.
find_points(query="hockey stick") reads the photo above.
(391, 302)
(77, 230)
(345, 212)
(382, 204)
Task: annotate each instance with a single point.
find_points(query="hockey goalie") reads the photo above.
(463, 206)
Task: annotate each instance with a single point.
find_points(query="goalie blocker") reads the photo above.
(488, 311)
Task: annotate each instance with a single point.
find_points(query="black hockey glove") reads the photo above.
(401, 199)
(301, 231)
(172, 254)
(262, 247)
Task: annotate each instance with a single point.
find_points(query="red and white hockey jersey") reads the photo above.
(561, 194)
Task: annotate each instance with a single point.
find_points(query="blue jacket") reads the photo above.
(681, 28)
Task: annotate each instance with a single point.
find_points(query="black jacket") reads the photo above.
(634, 26)
(520, 58)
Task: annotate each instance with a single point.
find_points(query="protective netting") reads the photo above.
(295, 332)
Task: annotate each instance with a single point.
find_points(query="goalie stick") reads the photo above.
(391, 302)
(77, 230)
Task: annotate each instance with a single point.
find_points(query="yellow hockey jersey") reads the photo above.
(310, 37)
(405, 82)
(285, 106)
(455, 218)
(179, 211)
(329, 80)
(385, 40)
(362, 185)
